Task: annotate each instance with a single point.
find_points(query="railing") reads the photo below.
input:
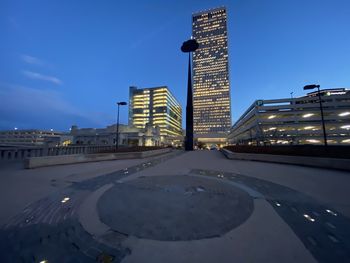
(9, 154)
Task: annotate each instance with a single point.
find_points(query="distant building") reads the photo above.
(295, 120)
(211, 86)
(156, 107)
(33, 137)
(128, 136)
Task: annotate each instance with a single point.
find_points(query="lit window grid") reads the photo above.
(210, 75)
(161, 98)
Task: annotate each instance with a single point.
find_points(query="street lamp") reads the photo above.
(313, 86)
(188, 47)
(122, 103)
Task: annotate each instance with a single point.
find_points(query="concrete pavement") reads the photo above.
(299, 214)
(20, 187)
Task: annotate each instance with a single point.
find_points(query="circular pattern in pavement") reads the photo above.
(177, 207)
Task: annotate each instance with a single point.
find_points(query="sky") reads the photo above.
(66, 63)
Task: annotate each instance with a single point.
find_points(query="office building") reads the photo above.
(156, 107)
(211, 86)
(295, 120)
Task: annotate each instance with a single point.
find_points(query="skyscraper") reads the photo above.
(211, 87)
(156, 107)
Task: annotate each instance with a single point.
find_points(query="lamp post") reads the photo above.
(123, 103)
(321, 109)
(188, 47)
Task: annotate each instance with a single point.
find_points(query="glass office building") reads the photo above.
(157, 107)
(211, 86)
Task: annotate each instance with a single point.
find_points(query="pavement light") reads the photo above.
(333, 238)
(66, 199)
(331, 212)
(309, 218)
(44, 261)
(278, 204)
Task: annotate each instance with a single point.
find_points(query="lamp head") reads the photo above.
(189, 46)
(313, 86)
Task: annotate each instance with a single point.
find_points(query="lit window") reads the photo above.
(344, 114)
(307, 115)
(313, 141)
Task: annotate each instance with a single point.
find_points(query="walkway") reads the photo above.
(181, 207)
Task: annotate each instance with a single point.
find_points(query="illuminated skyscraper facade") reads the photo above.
(211, 87)
(157, 107)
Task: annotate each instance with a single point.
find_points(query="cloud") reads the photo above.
(35, 75)
(26, 107)
(32, 60)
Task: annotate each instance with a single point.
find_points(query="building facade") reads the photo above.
(128, 136)
(156, 107)
(33, 137)
(211, 86)
(295, 120)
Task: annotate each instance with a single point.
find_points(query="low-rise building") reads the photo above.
(34, 137)
(128, 135)
(295, 120)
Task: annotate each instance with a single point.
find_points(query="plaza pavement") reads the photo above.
(276, 229)
(20, 187)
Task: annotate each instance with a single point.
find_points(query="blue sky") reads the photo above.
(67, 62)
